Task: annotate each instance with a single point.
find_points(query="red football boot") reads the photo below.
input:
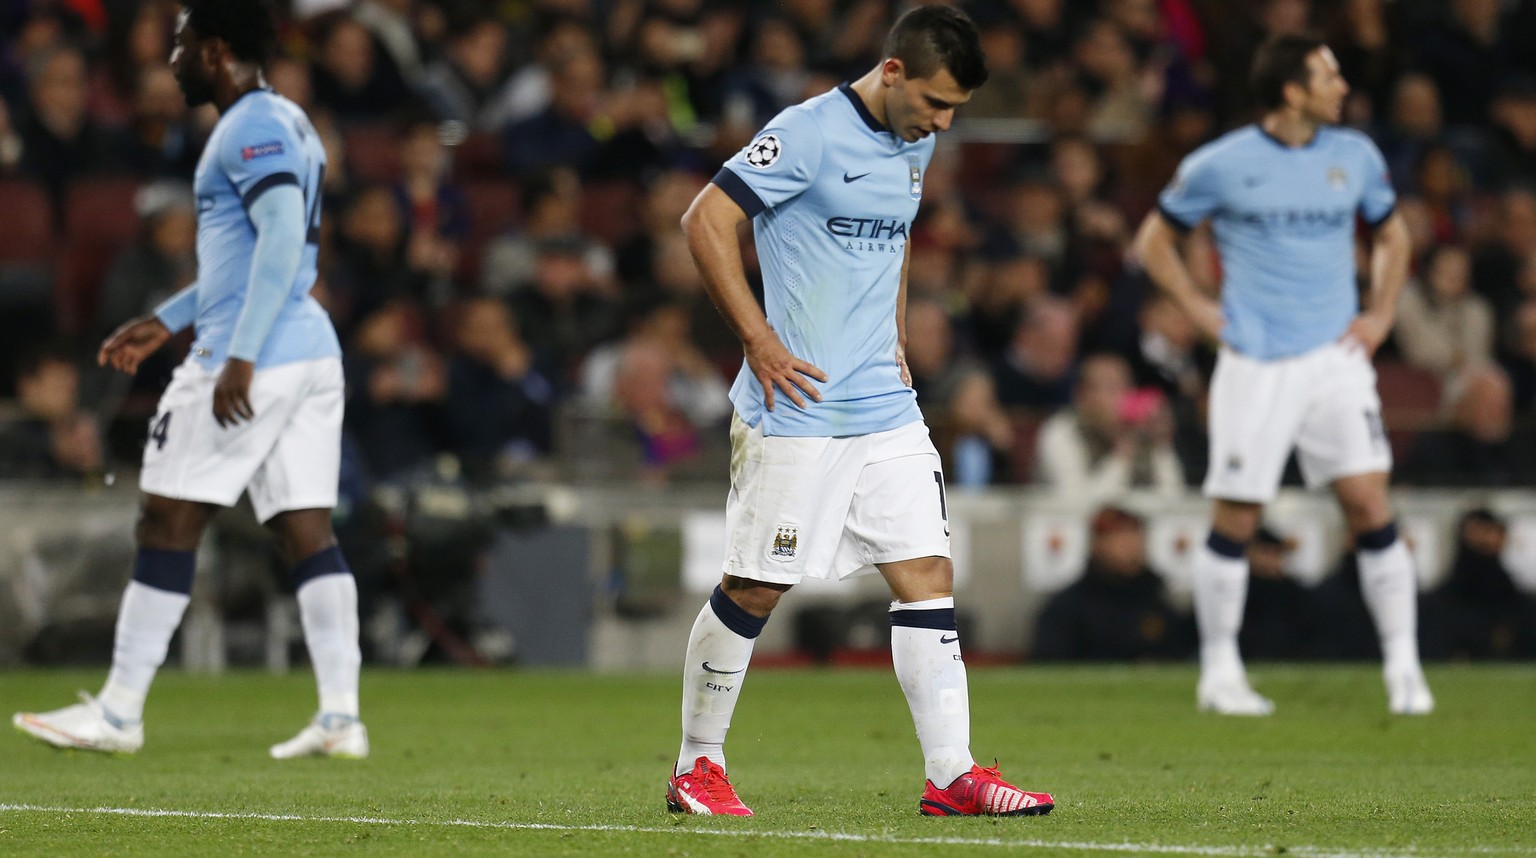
(704, 790)
(983, 792)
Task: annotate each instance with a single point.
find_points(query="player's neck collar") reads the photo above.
(862, 108)
(1316, 132)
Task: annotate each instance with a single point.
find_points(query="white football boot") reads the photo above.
(1232, 697)
(348, 740)
(84, 725)
(1408, 693)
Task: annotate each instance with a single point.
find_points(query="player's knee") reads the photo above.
(170, 525)
(755, 597)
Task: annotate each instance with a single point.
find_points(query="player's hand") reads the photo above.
(901, 364)
(1367, 332)
(775, 367)
(1206, 315)
(130, 344)
(232, 393)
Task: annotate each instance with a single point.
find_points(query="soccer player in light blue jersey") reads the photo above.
(1283, 197)
(832, 470)
(256, 406)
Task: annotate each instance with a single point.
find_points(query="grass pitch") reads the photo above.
(530, 763)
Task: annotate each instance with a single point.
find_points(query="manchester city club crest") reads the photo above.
(915, 173)
(1337, 178)
(785, 542)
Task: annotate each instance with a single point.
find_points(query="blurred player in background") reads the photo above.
(829, 481)
(1295, 368)
(257, 404)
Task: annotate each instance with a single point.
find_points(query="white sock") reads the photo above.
(328, 612)
(146, 620)
(1390, 588)
(719, 649)
(1221, 590)
(925, 650)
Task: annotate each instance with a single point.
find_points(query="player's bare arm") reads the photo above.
(1158, 247)
(711, 225)
(131, 343)
(1390, 248)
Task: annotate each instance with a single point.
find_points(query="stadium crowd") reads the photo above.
(500, 248)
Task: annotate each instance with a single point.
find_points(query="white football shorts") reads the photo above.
(1322, 403)
(288, 455)
(832, 507)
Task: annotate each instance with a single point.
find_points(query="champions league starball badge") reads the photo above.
(764, 151)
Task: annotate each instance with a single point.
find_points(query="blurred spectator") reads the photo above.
(1007, 94)
(1118, 609)
(666, 199)
(1123, 95)
(350, 78)
(436, 211)
(1483, 445)
(566, 312)
(529, 90)
(161, 140)
(773, 78)
(1442, 325)
(1113, 438)
(959, 398)
(1036, 369)
(1479, 612)
(998, 295)
(561, 134)
(1413, 124)
(551, 207)
(1520, 358)
(158, 263)
(1364, 36)
(12, 146)
(396, 384)
(1496, 270)
(60, 138)
(460, 85)
(1514, 133)
(135, 43)
(693, 383)
(1169, 356)
(52, 436)
(293, 81)
(499, 399)
(395, 34)
(1279, 620)
(1467, 52)
(368, 266)
(1444, 186)
(643, 392)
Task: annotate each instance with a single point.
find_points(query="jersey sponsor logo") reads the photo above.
(1302, 221)
(261, 150)
(764, 151)
(786, 542)
(867, 227)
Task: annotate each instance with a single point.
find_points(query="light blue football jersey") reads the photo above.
(832, 195)
(1284, 221)
(262, 141)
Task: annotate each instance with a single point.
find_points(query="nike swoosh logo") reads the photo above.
(847, 178)
(724, 672)
(944, 640)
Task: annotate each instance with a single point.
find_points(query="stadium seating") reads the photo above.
(99, 220)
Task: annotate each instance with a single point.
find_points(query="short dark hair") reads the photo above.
(247, 26)
(930, 36)
(1279, 61)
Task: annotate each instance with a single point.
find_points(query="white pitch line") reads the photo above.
(830, 836)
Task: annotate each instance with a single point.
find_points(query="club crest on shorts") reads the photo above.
(786, 540)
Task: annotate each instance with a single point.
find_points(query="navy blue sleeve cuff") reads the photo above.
(740, 192)
(1173, 220)
(1376, 224)
(267, 183)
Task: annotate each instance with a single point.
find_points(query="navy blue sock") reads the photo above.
(165, 570)
(1225, 546)
(326, 561)
(1379, 539)
(735, 616)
